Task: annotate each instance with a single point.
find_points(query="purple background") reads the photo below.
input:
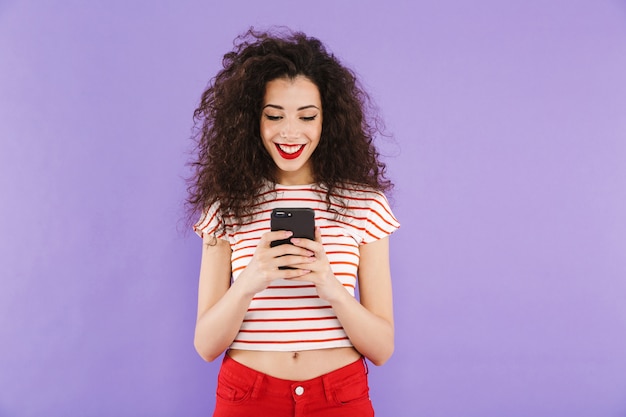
(509, 154)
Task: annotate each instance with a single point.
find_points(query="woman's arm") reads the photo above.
(368, 324)
(221, 306)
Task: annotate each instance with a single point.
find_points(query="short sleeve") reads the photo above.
(211, 222)
(380, 219)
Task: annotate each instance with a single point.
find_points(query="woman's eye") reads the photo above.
(309, 118)
(270, 117)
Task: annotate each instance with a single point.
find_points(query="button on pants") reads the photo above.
(244, 392)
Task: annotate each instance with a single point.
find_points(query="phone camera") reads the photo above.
(282, 214)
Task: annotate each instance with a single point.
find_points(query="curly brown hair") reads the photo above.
(232, 165)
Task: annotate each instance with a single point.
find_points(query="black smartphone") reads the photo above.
(301, 221)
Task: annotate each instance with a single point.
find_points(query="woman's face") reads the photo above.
(291, 126)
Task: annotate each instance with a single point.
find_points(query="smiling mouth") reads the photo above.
(289, 151)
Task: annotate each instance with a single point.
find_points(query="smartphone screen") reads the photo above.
(301, 221)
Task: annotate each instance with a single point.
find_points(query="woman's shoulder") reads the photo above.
(369, 211)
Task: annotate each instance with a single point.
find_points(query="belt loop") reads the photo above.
(258, 384)
(328, 392)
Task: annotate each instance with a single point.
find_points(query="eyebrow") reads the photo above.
(275, 106)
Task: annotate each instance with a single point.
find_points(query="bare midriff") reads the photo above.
(296, 366)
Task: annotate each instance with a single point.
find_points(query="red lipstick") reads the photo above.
(286, 155)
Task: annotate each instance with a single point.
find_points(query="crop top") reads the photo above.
(289, 315)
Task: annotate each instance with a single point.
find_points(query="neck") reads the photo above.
(294, 178)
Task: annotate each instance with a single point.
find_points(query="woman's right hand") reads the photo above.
(266, 261)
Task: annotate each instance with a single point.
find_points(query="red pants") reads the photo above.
(244, 392)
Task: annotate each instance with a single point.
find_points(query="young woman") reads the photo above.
(284, 124)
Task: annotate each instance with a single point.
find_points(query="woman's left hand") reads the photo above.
(328, 287)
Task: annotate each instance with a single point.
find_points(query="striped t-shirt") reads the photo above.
(289, 315)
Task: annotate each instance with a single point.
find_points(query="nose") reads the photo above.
(289, 131)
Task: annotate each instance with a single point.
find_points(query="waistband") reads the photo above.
(276, 387)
